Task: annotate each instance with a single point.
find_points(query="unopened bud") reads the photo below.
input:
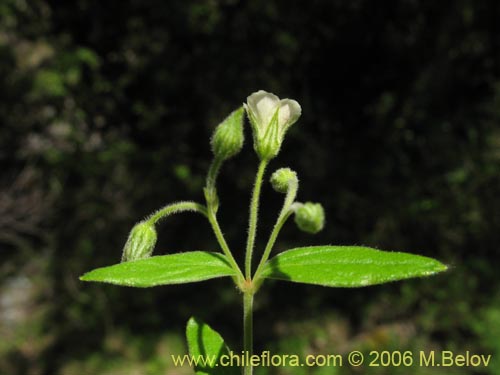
(228, 137)
(281, 179)
(140, 243)
(310, 217)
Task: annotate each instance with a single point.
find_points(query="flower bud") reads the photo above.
(310, 217)
(270, 118)
(228, 137)
(140, 243)
(281, 179)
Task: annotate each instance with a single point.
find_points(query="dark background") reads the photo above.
(106, 109)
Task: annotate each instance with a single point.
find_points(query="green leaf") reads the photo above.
(348, 266)
(206, 347)
(164, 270)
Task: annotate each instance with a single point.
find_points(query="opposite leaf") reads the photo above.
(164, 270)
(206, 347)
(347, 266)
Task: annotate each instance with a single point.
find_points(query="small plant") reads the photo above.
(332, 266)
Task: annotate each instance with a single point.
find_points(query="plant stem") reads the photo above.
(248, 329)
(286, 211)
(175, 208)
(225, 248)
(212, 207)
(210, 189)
(272, 239)
(252, 222)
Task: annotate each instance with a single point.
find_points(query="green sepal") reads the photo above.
(269, 145)
(140, 242)
(228, 137)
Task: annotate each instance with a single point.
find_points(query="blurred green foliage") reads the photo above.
(106, 109)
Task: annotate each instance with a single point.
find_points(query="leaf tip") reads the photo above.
(89, 277)
(84, 277)
(442, 267)
(192, 322)
(437, 268)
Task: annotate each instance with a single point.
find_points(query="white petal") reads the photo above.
(263, 105)
(289, 113)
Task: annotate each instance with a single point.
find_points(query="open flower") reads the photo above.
(270, 118)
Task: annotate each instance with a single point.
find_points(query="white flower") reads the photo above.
(270, 118)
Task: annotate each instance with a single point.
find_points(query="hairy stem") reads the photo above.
(210, 189)
(285, 213)
(252, 222)
(272, 239)
(174, 208)
(212, 207)
(225, 248)
(248, 329)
